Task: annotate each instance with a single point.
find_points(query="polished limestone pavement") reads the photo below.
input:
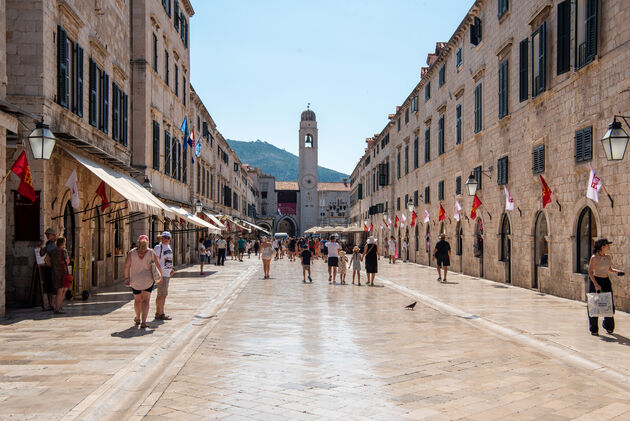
(242, 347)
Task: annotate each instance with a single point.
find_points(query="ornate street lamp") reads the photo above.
(615, 140)
(198, 207)
(42, 141)
(410, 206)
(471, 184)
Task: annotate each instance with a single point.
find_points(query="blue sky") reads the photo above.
(257, 63)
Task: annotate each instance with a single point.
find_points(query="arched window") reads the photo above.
(478, 239)
(505, 241)
(442, 228)
(541, 247)
(586, 233)
(459, 233)
(117, 235)
(427, 238)
(417, 238)
(308, 141)
(68, 232)
(97, 241)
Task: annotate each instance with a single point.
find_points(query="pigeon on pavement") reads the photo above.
(412, 305)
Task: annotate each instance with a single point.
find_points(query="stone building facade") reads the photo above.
(521, 89)
(115, 100)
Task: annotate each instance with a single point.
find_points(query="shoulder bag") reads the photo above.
(157, 277)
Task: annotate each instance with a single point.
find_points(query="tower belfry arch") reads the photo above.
(307, 174)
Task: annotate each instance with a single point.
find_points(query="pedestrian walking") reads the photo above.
(165, 256)
(266, 254)
(241, 248)
(45, 251)
(202, 255)
(405, 249)
(332, 251)
(139, 276)
(221, 248)
(306, 257)
(232, 249)
(256, 247)
(391, 250)
(370, 255)
(355, 263)
(343, 261)
(599, 268)
(61, 277)
(442, 255)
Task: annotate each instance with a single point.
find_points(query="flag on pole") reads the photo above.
(458, 208)
(191, 138)
(396, 220)
(279, 213)
(594, 186)
(102, 192)
(442, 215)
(385, 222)
(72, 184)
(389, 222)
(404, 218)
(414, 215)
(198, 149)
(546, 192)
(22, 170)
(371, 227)
(475, 206)
(426, 215)
(509, 201)
(365, 227)
(184, 129)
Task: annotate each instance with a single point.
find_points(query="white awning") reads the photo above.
(215, 220)
(229, 218)
(138, 198)
(257, 227)
(184, 214)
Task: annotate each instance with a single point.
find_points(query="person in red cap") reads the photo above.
(139, 276)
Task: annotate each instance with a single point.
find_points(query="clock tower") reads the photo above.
(307, 177)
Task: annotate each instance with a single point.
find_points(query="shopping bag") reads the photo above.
(600, 304)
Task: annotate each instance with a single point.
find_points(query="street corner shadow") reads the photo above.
(620, 339)
(450, 283)
(188, 274)
(132, 332)
(376, 286)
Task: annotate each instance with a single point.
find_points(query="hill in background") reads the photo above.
(277, 162)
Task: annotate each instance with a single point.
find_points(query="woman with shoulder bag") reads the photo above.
(599, 268)
(141, 268)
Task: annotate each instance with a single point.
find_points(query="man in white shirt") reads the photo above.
(202, 255)
(165, 256)
(221, 245)
(333, 258)
(391, 248)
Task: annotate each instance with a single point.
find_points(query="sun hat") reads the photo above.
(166, 234)
(50, 231)
(143, 238)
(355, 248)
(601, 243)
(371, 240)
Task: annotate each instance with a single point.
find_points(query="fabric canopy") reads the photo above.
(184, 214)
(257, 227)
(229, 218)
(138, 198)
(214, 220)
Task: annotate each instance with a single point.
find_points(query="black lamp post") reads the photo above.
(615, 140)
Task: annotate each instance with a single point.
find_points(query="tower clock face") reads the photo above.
(308, 181)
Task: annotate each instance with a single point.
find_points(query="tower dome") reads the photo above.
(308, 115)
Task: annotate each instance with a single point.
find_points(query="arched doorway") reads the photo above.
(442, 228)
(287, 225)
(459, 249)
(478, 243)
(97, 244)
(417, 248)
(69, 230)
(541, 247)
(506, 247)
(427, 239)
(586, 234)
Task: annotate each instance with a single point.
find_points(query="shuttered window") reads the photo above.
(383, 174)
(539, 60)
(406, 115)
(176, 80)
(360, 191)
(167, 153)
(93, 107)
(415, 198)
(458, 185)
(442, 75)
(586, 31)
(156, 145)
(477, 173)
(475, 31)
(77, 92)
(584, 144)
(503, 8)
(441, 190)
(523, 67)
(415, 152)
(185, 165)
(591, 29)
(458, 116)
(502, 171)
(406, 159)
(564, 37)
(478, 109)
(427, 194)
(103, 96)
(458, 56)
(398, 164)
(125, 120)
(538, 159)
(115, 112)
(441, 135)
(427, 144)
(63, 90)
(427, 91)
(155, 53)
(503, 89)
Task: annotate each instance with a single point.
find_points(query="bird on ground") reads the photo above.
(412, 305)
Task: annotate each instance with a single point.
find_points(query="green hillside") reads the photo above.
(277, 162)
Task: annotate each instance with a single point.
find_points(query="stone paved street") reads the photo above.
(280, 349)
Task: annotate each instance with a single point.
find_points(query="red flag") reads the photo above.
(442, 214)
(475, 206)
(396, 222)
(414, 215)
(102, 192)
(22, 170)
(365, 228)
(546, 192)
(371, 227)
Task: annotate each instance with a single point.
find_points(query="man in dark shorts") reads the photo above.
(442, 254)
(306, 256)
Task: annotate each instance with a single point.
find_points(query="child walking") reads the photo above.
(355, 262)
(306, 256)
(343, 261)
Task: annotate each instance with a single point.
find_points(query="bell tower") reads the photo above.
(307, 177)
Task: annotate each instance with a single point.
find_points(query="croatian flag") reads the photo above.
(279, 213)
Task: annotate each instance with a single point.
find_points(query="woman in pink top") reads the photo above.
(139, 276)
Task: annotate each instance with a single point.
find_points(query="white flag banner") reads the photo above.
(426, 215)
(404, 218)
(389, 222)
(509, 201)
(594, 185)
(72, 184)
(458, 208)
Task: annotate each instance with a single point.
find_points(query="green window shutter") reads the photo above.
(427, 144)
(458, 114)
(591, 29)
(523, 77)
(167, 153)
(92, 93)
(62, 67)
(79, 81)
(441, 135)
(564, 37)
(156, 145)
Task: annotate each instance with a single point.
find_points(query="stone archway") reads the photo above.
(288, 225)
